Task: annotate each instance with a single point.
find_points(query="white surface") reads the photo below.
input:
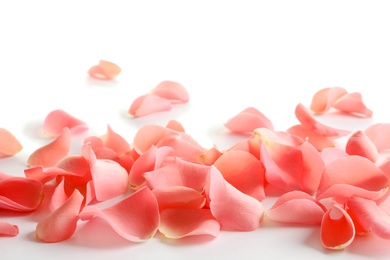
(228, 54)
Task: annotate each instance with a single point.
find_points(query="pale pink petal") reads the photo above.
(352, 103)
(105, 70)
(62, 223)
(320, 142)
(178, 197)
(337, 228)
(352, 176)
(379, 135)
(173, 91)
(149, 104)
(135, 218)
(324, 99)
(19, 193)
(175, 125)
(59, 197)
(331, 154)
(179, 223)
(244, 171)
(115, 142)
(296, 207)
(50, 154)
(58, 119)
(359, 144)
(233, 209)
(308, 121)
(209, 156)
(109, 178)
(7, 229)
(9, 145)
(248, 120)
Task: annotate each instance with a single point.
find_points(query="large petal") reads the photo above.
(248, 120)
(178, 223)
(58, 119)
(9, 145)
(233, 209)
(171, 90)
(149, 104)
(135, 218)
(324, 99)
(337, 228)
(62, 223)
(359, 144)
(105, 70)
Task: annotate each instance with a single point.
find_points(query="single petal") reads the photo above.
(296, 207)
(135, 218)
(325, 98)
(233, 209)
(337, 228)
(319, 141)
(7, 229)
(175, 125)
(248, 120)
(352, 176)
(359, 144)
(331, 154)
(244, 171)
(62, 223)
(178, 197)
(352, 103)
(114, 141)
(105, 70)
(173, 91)
(379, 135)
(179, 223)
(50, 154)
(58, 119)
(149, 104)
(9, 145)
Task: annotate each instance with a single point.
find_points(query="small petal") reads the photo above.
(359, 144)
(248, 120)
(178, 223)
(325, 98)
(58, 119)
(7, 229)
(9, 145)
(173, 91)
(105, 70)
(352, 103)
(50, 154)
(149, 104)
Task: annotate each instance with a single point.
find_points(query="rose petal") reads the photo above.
(173, 91)
(58, 119)
(325, 98)
(175, 125)
(178, 223)
(7, 229)
(320, 142)
(62, 223)
(114, 141)
(9, 145)
(50, 154)
(135, 218)
(352, 103)
(149, 104)
(337, 229)
(248, 120)
(359, 144)
(331, 154)
(178, 197)
(105, 70)
(233, 209)
(379, 135)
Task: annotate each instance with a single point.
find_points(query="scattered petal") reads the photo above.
(149, 104)
(325, 98)
(248, 120)
(178, 197)
(379, 135)
(352, 103)
(7, 229)
(105, 70)
(9, 145)
(173, 91)
(359, 144)
(58, 119)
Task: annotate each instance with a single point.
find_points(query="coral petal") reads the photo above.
(58, 119)
(178, 197)
(7, 229)
(9, 145)
(105, 70)
(352, 103)
(379, 135)
(359, 144)
(173, 91)
(248, 120)
(324, 99)
(149, 104)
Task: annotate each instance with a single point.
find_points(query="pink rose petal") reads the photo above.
(7, 229)
(352, 103)
(48, 155)
(9, 145)
(175, 125)
(325, 98)
(379, 135)
(179, 223)
(135, 218)
(178, 197)
(173, 91)
(58, 119)
(62, 223)
(149, 104)
(114, 141)
(319, 141)
(105, 70)
(248, 120)
(337, 228)
(359, 144)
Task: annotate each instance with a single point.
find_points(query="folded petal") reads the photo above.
(7, 229)
(58, 119)
(359, 144)
(337, 228)
(233, 209)
(149, 104)
(296, 207)
(9, 145)
(173, 91)
(379, 135)
(352, 103)
(179, 223)
(50, 154)
(114, 141)
(178, 197)
(325, 98)
(248, 120)
(105, 70)
(135, 218)
(62, 223)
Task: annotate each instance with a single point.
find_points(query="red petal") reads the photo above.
(324, 99)
(9, 145)
(359, 144)
(105, 70)
(61, 224)
(178, 223)
(58, 119)
(7, 229)
(135, 218)
(149, 104)
(337, 229)
(248, 120)
(50, 154)
(233, 209)
(173, 91)
(352, 103)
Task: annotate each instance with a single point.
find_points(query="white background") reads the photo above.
(229, 55)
